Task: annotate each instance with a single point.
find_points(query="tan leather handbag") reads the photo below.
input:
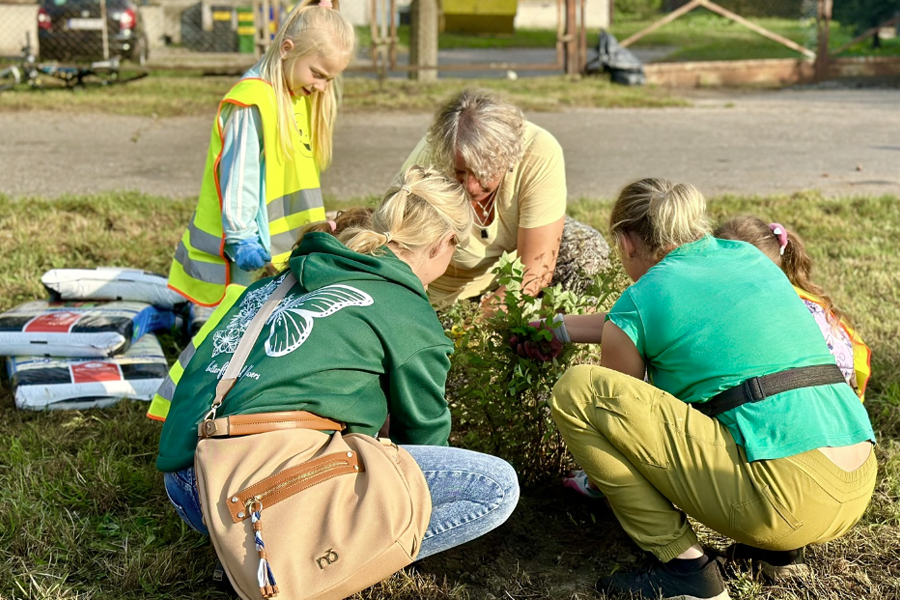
(341, 512)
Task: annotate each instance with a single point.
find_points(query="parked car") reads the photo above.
(72, 30)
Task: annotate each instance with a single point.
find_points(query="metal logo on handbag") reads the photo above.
(343, 511)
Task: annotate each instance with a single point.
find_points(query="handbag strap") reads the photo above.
(234, 425)
(251, 334)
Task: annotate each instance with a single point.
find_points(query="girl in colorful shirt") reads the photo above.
(271, 138)
(786, 250)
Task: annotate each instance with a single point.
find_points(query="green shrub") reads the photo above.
(865, 14)
(499, 399)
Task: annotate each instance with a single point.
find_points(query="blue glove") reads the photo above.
(249, 255)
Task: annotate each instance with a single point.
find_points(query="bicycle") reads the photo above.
(29, 71)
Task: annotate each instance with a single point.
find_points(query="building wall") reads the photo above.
(542, 14)
(530, 14)
(16, 23)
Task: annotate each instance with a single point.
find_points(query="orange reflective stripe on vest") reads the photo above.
(162, 400)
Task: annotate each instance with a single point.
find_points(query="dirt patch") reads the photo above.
(555, 545)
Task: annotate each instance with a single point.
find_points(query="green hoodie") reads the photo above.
(364, 343)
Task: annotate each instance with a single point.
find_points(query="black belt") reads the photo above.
(759, 388)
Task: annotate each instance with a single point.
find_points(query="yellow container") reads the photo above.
(479, 16)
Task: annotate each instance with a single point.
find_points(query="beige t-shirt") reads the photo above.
(532, 195)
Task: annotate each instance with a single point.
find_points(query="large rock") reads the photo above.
(583, 253)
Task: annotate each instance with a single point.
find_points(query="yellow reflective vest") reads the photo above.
(200, 271)
(159, 406)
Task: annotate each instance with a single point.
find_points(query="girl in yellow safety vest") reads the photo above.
(162, 400)
(786, 250)
(271, 138)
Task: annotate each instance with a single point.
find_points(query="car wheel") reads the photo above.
(140, 53)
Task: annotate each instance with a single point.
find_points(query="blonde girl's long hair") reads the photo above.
(425, 206)
(487, 131)
(664, 215)
(795, 261)
(312, 29)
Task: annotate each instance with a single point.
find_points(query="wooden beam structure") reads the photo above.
(423, 50)
(712, 6)
(869, 33)
(664, 21)
(823, 28)
(760, 30)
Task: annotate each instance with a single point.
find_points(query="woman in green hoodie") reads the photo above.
(379, 349)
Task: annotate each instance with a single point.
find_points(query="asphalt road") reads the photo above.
(839, 141)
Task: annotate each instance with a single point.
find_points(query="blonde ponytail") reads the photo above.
(415, 215)
(312, 29)
(664, 215)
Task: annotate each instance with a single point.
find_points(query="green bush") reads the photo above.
(865, 14)
(499, 399)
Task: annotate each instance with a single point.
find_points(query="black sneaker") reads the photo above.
(774, 564)
(660, 581)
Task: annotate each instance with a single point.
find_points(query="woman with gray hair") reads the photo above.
(514, 174)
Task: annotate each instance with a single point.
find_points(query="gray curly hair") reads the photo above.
(488, 133)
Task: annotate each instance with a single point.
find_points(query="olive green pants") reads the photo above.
(650, 452)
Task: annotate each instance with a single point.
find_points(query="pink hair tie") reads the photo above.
(332, 224)
(781, 233)
(326, 4)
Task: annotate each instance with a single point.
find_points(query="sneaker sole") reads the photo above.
(784, 572)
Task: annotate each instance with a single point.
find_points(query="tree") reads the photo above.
(865, 14)
(423, 40)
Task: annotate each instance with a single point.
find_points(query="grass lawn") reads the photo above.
(168, 94)
(701, 35)
(840, 36)
(84, 515)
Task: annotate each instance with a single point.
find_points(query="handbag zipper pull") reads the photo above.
(266, 579)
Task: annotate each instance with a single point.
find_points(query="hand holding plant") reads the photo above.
(537, 341)
(506, 364)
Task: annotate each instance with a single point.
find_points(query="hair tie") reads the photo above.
(387, 236)
(332, 224)
(326, 4)
(780, 233)
(406, 189)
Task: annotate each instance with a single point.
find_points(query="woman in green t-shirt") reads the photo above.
(746, 424)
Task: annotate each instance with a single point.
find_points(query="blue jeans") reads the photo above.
(181, 486)
(471, 494)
